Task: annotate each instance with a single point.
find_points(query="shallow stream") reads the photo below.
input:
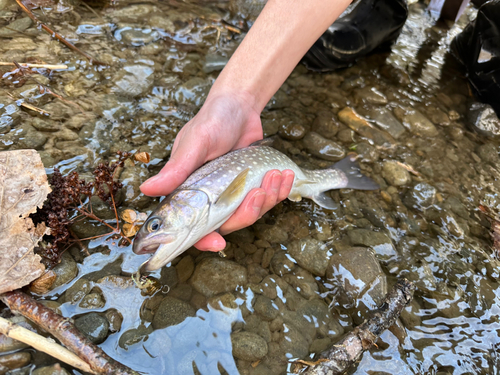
(296, 281)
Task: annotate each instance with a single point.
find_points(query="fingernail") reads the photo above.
(258, 201)
(150, 180)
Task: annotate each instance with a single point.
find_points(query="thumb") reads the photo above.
(184, 161)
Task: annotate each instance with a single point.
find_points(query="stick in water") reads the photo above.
(349, 350)
(66, 332)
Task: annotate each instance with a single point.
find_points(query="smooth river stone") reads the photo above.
(215, 275)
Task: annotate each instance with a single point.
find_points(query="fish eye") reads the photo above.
(153, 225)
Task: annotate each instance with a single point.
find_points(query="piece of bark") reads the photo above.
(23, 188)
(66, 332)
(345, 353)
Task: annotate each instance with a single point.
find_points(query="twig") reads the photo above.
(57, 35)
(28, 106)
(66, 332)
(29, 65)
(43, 344)
(349, 350)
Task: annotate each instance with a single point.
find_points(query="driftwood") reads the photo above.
(66, 332)
(43, 344)
(349, 350)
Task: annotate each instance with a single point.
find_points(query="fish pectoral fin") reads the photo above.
(295, 197)
(325, 201)
(234, 190)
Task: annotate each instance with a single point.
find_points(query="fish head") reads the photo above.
(172, 227)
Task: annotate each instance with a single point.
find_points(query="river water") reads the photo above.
(296, 281)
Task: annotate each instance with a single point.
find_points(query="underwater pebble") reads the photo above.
(248, 346)
(421, 196)
(482, 118)
(94, 326)
(51, 370)
(215, 275)
(311, 255)
(378, 241)
(395, 174)
(323, 148)
(65, 271)
(77, 291)
(172, 311)
(14, 361)
(385, 120)
(357, 123)
(133, 80)
(419, 124)
(325, 124)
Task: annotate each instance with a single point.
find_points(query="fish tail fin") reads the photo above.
(355, 179)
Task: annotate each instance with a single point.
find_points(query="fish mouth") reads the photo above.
(147, 249)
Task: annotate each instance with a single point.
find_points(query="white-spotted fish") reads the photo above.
(212, 194)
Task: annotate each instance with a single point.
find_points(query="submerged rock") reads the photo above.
(248, 346)
(357, 123)
(395, 174)
(14, 361)
(323, 148)
(94, 326)
(326, 124)
(172, 311)
(482, 118)
(386, 121)
(311, 255)
(51, 370)
(421, 196)
(215, 275)
(134, 80)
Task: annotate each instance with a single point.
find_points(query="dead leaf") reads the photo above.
(142, 157)
(23, 188)
(129, 230)
(129, 216)
(43, 283)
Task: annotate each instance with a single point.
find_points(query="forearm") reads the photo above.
(281, 35)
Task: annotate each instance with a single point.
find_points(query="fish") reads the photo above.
(212, 193)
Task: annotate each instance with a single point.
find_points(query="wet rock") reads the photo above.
(370, 95)
(136, 36)
(244, 235)
(135, 335)
(368, 153)
(214, 63)
(77, 291)
(282, 263)
(294, 344)
(291, 131)
(421, 196)
(254, 324)
(437, 116)
(246, 9)
(265, 307)
(14, 361)
(115, 320)
(133, 80)
(418, 124)
(378, 241)
(65, 271)
(94, 326)
(323, 148)
(85, 229)
(215, 275)
(172, 311)
(356, 271)
(51, 370)
(303, 282)
(8, 344)
(319, 345)
(488, 153)
(185, 268)
(482, 118)
(132, 177)
(45, 125)
(15, 27)
(385, 120)
(193, 91)
(395, 174)
(357, 123)
(248, 346)
(25, 137)
(92, 301)
(271, 233)
(310, 254)
(317, 311)
(325, 124)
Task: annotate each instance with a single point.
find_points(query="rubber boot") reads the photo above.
(477, 47)
(371, 24)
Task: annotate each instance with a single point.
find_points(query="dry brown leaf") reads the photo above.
(129, 216)
(23, 188)
(43, 283)
(142, 157)
(129, 230)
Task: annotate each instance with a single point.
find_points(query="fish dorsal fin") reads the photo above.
(234, 190)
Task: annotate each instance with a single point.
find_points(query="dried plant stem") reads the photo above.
(57, 35)
(66, 332)
(345, 353)
(43, 344)
(29, 65)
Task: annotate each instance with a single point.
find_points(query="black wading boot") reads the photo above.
(478, 49)
(371, 24)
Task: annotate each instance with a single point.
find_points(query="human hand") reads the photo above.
(224, 123)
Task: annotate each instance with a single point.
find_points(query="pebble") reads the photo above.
(488, 153)
(115, 320)
(172, 311)
(254, 324)
(136, 36)
(77, 291)
(15, 27)
(311, 255)
(378, 241)
(357, 123)
(370, 95)
(271, 233)
(422, 196)
(65, 271)
(133, 80)
(193, 91)
(248, 346)
(291, 131)
(322, 147)
(51, 370)
(282, 263)
(14, 361)
(94, 326)
(395, 174)
(418, 124)
(303, 282)
(482, 118)
(185, 268)
(215, 275)
(265, 307)
(214, 63)
(325, 124)
(386, 121)
(92, 301)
